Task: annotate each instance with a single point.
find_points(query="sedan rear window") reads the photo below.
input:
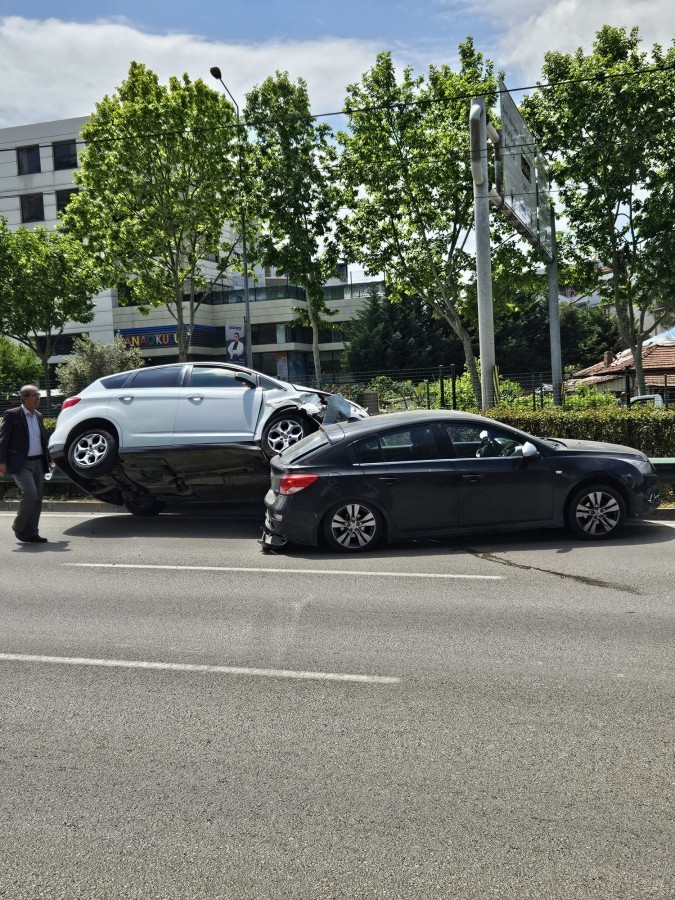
(110, 382)
(158, 378)
(403, 445)
(306, 445)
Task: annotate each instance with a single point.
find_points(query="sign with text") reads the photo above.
(524, 183)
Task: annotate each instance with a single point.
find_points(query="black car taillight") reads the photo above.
(291, 484)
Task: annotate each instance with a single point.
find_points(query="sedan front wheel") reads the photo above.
(353, 527)
(595, 512)
(283, 431)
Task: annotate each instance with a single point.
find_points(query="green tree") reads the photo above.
(398, 337)
(606, 121)
(292, 180)
(91, 360)
(18, 366)
(159, 181)
(406, 170)
(47, 280)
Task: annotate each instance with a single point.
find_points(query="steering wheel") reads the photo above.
(509, 448)
(489, 448)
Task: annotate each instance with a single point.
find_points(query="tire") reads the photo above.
(146, 507)
(596, 512)
(353, 527)
(283, 431)
(93, 453)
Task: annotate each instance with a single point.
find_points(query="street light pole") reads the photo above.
(215, 71)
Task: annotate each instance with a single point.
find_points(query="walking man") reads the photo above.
(25, 455)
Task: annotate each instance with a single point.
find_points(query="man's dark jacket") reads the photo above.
(14, 440)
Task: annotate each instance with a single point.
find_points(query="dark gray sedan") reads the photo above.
(432, 473)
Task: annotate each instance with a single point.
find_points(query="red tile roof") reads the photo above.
(656, 358)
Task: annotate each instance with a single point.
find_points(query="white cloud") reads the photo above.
(526, 29)
(51, 69)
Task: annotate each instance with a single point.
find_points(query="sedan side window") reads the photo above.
(160, 377)
(205, 377)
(478, 440)
(404, 445)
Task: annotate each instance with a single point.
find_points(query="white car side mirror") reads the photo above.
(529, 450)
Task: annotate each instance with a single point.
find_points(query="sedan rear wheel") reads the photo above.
(353, 527)
(93, 453)
(596, 511)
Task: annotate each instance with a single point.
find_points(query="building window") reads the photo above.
(28, 160)
(264, 334)
(63, 198)
(65, 155)
(32, 208)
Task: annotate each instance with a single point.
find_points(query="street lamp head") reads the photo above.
(215, 71)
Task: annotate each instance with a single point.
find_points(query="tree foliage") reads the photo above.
(406, 170)
(399, 337)
(91, 360)
(18, 366)
(159, 181)
(47, 280)
(607, 120)
(292, 183)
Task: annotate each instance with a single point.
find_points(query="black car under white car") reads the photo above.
(427, 474)
(201, 431)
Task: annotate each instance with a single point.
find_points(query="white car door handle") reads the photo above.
(195, 398)
(128, 397)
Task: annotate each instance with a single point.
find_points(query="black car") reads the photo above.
(426, 474)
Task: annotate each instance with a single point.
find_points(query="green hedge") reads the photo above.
(649, 430)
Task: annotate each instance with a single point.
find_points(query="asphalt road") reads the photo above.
(185, 717)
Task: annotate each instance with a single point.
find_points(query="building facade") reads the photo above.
(37, 165)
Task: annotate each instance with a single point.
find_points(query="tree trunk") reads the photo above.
(457, 326)
(315, 334)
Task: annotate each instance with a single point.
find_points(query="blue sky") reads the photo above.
(57, 60)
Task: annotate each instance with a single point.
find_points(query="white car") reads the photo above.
(187, 405)
(646, 400)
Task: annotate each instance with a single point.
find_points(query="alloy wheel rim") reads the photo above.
(90, 449)
(284, 433)
(598, 513)
(353, 526)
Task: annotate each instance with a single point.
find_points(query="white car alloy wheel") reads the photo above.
(93, 453)
(282, 432)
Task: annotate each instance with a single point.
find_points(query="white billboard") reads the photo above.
(523, 182)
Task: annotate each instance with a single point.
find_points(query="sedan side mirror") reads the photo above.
(529, 450)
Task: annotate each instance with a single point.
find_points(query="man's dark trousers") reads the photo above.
(30, 481)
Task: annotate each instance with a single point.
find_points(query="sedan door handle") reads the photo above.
(389, 480)
(472, 479)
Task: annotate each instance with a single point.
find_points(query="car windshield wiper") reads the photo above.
(555, 441)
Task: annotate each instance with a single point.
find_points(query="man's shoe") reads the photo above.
(36, 539)
(23, 537)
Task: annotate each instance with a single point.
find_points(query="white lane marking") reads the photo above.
(280, 571)
(189, 667)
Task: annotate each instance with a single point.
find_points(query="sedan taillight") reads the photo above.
(71, 401)
(291, 484)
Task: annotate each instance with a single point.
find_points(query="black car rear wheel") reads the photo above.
(353, 527)
(93, 453)
(596, 511)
